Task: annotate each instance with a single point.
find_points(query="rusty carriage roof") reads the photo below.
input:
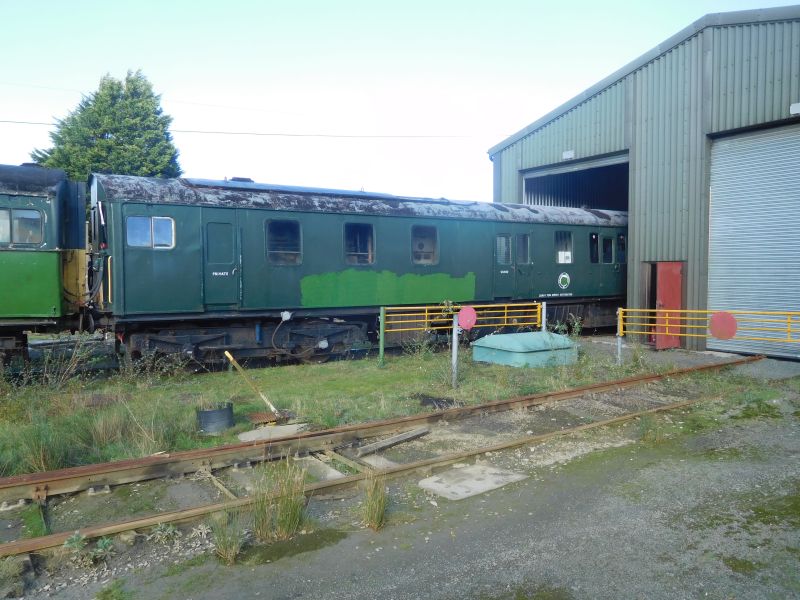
(239, 194)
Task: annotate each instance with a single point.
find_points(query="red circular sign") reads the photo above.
(722, 325)
(467, 318)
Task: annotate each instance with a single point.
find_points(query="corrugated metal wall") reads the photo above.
(667, 207)
(756, 73)
(595, 127)
(718, 79)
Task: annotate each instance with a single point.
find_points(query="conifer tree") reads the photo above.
(120, 129)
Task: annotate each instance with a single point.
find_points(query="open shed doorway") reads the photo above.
(579, 186)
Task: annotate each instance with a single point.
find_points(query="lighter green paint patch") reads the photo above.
(31, 284)
(356, 287)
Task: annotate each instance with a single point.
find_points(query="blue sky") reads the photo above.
(439, 81)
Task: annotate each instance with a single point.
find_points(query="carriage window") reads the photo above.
(424, 245)
(5, 227)
(150, 232)
(524, 249)
(359, 244)
(503, 250)
(608, 250)
(26, 226)
(138, 232)
(594, 252)
(283, 243)
(622, 249)
(564, 247)
(163, 232)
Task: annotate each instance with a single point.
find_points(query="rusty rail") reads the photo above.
(58, 539)
(38, 486)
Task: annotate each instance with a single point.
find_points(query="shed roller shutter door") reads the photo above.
(754, 230)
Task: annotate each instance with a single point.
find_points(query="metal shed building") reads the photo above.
(707, 123)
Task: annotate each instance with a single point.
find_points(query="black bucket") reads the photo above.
(214, 420)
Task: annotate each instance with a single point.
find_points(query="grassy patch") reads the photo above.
(758, 403)
(741, 566)
(651, 429)
(183, 566)
(62, 421)
(9, 570)
(33, 521)
(748, 511)
(115, 591)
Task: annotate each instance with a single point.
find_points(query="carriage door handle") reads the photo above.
(235, 269)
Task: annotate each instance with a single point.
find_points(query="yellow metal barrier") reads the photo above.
(763, 326)
(439, 317)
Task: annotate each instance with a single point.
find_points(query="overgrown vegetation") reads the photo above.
(227, 532)
(9, 570)
(375, 501)
(84, 554)
(150, 405)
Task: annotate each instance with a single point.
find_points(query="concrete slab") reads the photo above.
(379, 462)
(318, 469)
(463, 482)
(271, 432)
(770, 368)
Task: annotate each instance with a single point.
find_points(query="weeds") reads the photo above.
(65, 358)
(291, 501)
(41, 447)
(115, 591)
(149, 405)
(150, 369)
(279, 503)
(375, 502)
(757, 404)
(263, 509)
(228, 534)
(103, 550)
(650, 430)
(75, 545)
(164, 534)
(9, 570)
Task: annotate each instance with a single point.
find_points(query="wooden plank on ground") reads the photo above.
(392, 441)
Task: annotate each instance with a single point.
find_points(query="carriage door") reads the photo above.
(523, 258)
(504, 274)
(222, 259)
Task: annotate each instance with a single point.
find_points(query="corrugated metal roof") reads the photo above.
(742, 17)
(289, 198)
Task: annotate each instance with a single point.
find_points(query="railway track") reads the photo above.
(336, 442)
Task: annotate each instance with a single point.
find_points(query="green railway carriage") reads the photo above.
(199, 266)
(42, 258)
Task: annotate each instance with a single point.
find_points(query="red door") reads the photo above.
(669, 294)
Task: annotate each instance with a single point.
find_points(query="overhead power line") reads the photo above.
(275, 134)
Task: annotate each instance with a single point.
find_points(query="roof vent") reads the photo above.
(242, 179)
